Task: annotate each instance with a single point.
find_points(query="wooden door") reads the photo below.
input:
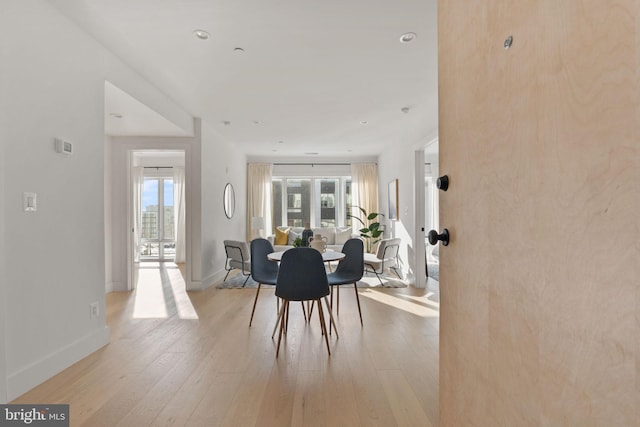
(540, 293)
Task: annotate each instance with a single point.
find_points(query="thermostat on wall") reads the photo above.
(63, 147)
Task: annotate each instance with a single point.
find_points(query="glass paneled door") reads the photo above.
(158, 229)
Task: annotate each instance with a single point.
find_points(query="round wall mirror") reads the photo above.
(229, 200)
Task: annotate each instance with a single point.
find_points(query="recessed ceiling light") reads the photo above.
(256, 122)
(201, 34)
(238, 50)
(405, 109)
(116, 115)
(408, 37)
(364, 122)
(280, 142)
(311, 154)
(226, 122)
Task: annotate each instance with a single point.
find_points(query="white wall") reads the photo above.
(399, 162)
(221, 163)
(53, 78)
(55, 256)
(110, 282)
(4, 39)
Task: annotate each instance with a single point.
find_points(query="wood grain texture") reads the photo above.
(216, 371)
(540, 303)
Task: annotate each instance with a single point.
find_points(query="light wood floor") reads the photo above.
(216, 371)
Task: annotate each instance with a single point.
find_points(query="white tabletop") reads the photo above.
(327, 256)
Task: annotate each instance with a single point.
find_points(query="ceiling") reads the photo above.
(327, 77)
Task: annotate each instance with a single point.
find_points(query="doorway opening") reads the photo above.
(157, 213)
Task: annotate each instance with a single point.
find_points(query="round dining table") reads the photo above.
(327, 256)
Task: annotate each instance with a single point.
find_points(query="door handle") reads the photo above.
(433, 237)
(443, 183)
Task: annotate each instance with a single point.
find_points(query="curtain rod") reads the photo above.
(312, 164)
(158, 167)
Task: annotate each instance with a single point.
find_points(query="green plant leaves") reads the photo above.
(371, 232)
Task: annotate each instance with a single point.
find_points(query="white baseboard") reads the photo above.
(213, 278)
(194, 285)
(208, 281)
(38, 372)
(115, 287)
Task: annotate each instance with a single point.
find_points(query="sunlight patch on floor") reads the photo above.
(149, 302)
(161, 293)
(424, 300)
(419, 307)
(180, 296)
(373, 281)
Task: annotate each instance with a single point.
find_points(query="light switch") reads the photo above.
(29, 202)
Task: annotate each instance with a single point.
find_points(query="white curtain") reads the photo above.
(137, 177)
(258, 197)
(179, 213)
(364, 178)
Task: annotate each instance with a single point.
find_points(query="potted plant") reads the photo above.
(371, 231)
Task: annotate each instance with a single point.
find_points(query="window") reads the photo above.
(321, 202)
(327, 206)
(158, 228)
(298, 202)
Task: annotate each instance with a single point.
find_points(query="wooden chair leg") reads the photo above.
(330, 307)
(286, 314)
(355, 288)
(331, 321)
(310, 307)
(278, 320)
(323, 326)
(255, 301)
(285, 305)
(331, 295)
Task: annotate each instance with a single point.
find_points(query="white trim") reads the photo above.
(420, 230)
(311, 170)
(195, 285)
(123, 148)
(212, 279)
(38, 372)
(116, 287)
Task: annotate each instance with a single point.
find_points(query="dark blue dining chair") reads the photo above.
(301, 277)
(349, 270)
(263, 271)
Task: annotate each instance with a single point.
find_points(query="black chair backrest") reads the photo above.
(263, 270)
(353, 262)
(302, 275)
